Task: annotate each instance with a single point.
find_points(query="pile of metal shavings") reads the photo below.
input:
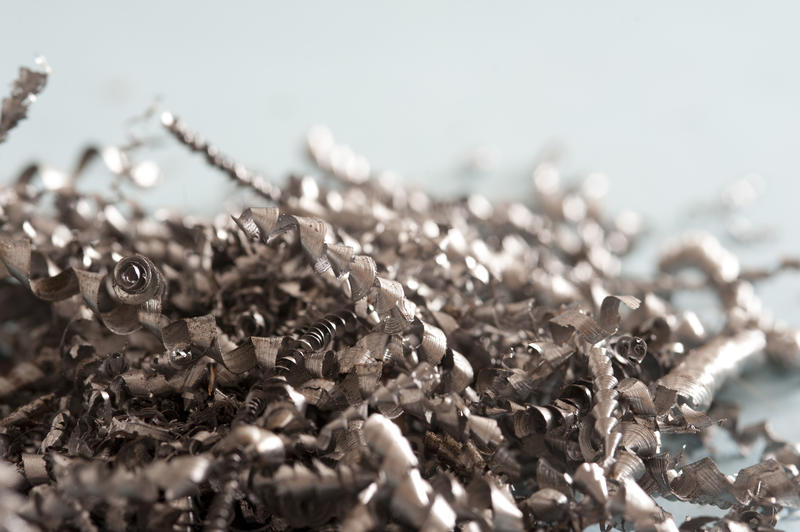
(360, 356)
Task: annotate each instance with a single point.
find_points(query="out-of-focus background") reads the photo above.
(673, 102)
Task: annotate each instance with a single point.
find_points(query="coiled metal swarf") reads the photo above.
(631, 347)
(125, 299)
(314, 338)
(135, 279)
(360, 271)
(605, 394)
(288, 361)
(702, 372)
(253, 405)
(170, 372)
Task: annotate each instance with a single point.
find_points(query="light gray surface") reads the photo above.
(671, 102)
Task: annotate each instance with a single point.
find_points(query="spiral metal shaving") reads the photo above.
(363, 357)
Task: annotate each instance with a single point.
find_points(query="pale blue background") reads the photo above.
(672, 101)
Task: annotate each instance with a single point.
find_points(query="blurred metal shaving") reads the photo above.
(24, 90)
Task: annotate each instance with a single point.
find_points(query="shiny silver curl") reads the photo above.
(136, 279)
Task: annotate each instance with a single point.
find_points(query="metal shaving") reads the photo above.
(355, 354)
(26, 87)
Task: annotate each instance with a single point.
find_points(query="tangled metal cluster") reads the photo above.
(361, 356)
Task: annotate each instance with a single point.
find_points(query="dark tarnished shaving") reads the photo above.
(357, 355)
